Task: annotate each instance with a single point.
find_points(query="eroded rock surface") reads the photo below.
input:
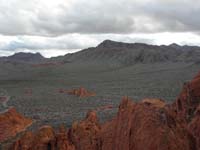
(45, 138)
(81, 92)
(145, 126)
(189, 99)
(11, 123)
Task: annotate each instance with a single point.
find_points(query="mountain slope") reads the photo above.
(127, 54)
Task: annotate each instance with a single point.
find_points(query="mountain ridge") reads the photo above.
(23, 57)
(120, 53)
(132, 53)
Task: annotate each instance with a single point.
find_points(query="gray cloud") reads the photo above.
(175, 15)
(69, 42)
(40, 17)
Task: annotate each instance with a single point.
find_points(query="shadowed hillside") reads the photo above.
(128, 54)
(23, 58)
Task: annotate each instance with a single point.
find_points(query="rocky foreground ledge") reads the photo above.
(147, 125)
(11, 123)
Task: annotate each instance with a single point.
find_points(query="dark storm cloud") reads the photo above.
(48, 18)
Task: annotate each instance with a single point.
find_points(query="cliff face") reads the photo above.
(189, 99)
(147, 125)
(194, 126)
(11, 123)
(187, 107)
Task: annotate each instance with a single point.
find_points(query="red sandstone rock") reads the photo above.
(62, 141)
(194, 126)
(11, 123)
(145, 126)
(44, 139)
(189, 99)
(81, 92)
(84, 135)
(156, 102)
(187, 107)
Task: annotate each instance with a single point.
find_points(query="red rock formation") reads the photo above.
(137, 126)
(145, 126)
(81, 92)
(12, 123)
(84, 135)
(187, 107)
(189, 99)
(194, 126)
(44, 139)
(156, 102)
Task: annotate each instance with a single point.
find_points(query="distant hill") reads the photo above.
(112, 52)
(23, 57)
(131, 53)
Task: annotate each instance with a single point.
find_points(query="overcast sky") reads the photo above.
(57, 27)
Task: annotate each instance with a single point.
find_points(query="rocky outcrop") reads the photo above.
(187, 107)
(83, 135)
(194, 126)
(81, 92)
(45, 138)
(189, 99)
(145, 126)
(11, 123)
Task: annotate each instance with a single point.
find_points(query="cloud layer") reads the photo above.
(54, 18)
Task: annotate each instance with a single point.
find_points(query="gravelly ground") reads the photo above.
(47, 106)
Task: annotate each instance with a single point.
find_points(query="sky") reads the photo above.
(58, 27)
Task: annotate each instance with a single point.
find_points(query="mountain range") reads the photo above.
(128, 54)
(119, 53)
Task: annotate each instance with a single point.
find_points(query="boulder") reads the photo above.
(81, 92)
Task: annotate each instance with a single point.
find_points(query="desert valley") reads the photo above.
(60, 91)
